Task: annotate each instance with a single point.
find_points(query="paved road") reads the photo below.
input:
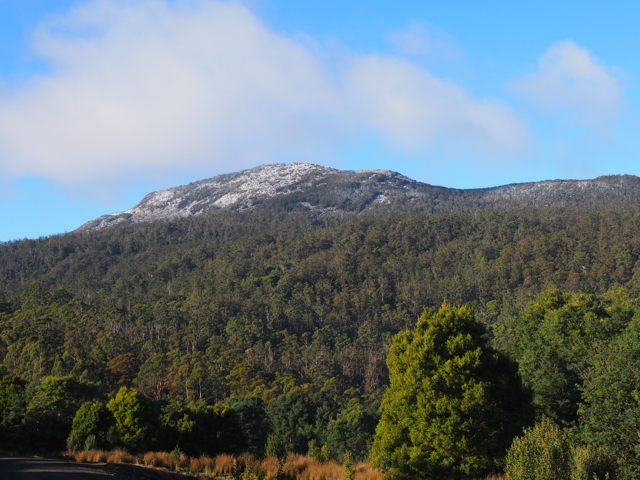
(45, 469)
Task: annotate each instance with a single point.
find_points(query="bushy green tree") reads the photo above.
(592, 463)
(136, 419)
(50, 411)
(11, 388)
(554, 341)
(352, 431)
(201, 429)
(292, 417)
(253, 421)
(542, 453)
(454, 403)
(610, 414)
(92, 419)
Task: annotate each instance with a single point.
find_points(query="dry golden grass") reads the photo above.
(224, 464)
(93, 456)
(364, 471)
(307, 468)
(158, 459)
(299, 467)
(101, 456)
(268, 467)
(203, 464)
(120, 455)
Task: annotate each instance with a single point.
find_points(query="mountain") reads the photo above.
(323, 190)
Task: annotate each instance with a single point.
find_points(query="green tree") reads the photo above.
(554, 341)
(542, 453)
(11, 388)
(610, 414)
(92, 418)
(49, 413)
(352, 431)
(136, 419)
(454, 403)
(292, 418)
(253, 420)
(199, 428)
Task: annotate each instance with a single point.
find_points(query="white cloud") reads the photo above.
(415, 110)
(149, 85)
(570, 81)
(416, 40)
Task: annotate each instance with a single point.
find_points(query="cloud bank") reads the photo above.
(151, 85)
(571, 82)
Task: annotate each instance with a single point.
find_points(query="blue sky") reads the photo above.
(103, 101)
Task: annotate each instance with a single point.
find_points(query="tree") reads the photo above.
(352, 431)
(292, 418)
(542, 453)
(11, 387)
(136, 419)
(554, 341)
(253, 420)
(454, 403)
(200, 429)
(92, 419)
(49, 413)
(610, 414)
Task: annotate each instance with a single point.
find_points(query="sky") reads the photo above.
(104, 101)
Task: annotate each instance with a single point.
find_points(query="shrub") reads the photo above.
(91, 443)
(50, 412)
(274, 448)
(314, 450)
(292, 416)
(10, 388)
(542, 453)
(75, 441)
(201, 429)
(347, 464)
(92, 419)
(253, 422)
(591, 463)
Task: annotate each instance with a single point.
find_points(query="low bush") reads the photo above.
(591, 463)
(542, 453)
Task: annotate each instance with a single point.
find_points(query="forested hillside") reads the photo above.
(236, 303)
(270, 333)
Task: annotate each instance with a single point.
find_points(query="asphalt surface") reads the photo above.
(41, 469)
(45, 469)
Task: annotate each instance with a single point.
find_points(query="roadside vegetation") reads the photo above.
(309, 344)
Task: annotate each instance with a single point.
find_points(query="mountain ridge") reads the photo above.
(326, 191)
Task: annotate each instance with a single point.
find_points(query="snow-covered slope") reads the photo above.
(324, 190)
(236, 190)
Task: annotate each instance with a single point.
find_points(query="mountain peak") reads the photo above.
(324, 190)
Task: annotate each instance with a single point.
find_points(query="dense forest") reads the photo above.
(286, 319)
(240, 303)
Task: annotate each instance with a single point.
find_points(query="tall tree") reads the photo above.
(454, 404)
